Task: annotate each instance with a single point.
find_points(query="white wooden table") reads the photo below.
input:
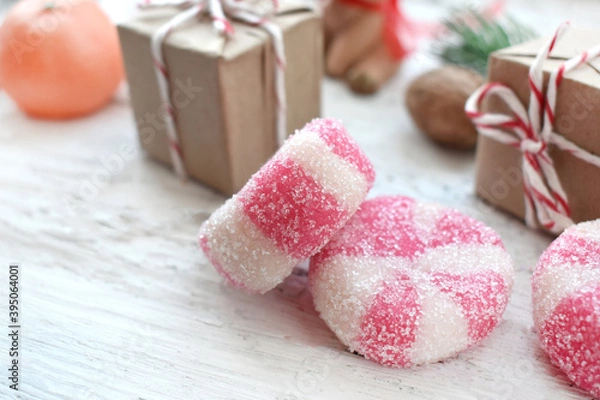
(118, 303)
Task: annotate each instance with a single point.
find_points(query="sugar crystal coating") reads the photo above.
(407, 283)
(289, 209)
(566, 304)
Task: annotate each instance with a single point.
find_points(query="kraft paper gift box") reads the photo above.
(577, 117)
(222, 90)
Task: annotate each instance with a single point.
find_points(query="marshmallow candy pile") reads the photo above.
(406, 283)
(566, 304)
(289, 209)
(400, 282)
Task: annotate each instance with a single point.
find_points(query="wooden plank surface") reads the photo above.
(118, 303)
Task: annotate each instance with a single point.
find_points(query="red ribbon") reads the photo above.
(398, 32)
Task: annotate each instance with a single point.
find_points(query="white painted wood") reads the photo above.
(119, 303)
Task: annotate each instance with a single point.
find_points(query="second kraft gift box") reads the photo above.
(576, 118)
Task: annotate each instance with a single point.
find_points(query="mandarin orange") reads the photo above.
(59, 59)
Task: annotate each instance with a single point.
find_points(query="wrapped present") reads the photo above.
(539, 125)
(216, 86)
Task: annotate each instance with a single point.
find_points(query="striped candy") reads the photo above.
(405, 283)
(566, 304)
(290, 209)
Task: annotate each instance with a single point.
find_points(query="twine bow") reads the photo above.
(532, 132)
(221, 12)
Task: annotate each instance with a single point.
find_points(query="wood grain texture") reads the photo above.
(118, 303)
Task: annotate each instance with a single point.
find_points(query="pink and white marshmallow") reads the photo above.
(406, 283)
(566, 304)
(289, 209)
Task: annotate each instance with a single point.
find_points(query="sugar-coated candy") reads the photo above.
(407, 283)
(566, 304)
(289, 209)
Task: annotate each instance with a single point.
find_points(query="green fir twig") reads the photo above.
(473, 37)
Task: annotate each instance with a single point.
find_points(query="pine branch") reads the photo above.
(474, 37)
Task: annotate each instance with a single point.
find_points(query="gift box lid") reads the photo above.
(201, 37)
(573, 43)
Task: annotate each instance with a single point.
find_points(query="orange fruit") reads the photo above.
(59, 58)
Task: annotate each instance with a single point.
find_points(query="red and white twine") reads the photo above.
(220, 11)
(532, 131)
